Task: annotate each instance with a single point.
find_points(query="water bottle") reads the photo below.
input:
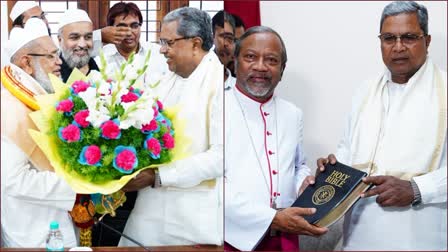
(54, 238)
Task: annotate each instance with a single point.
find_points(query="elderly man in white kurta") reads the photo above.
(265, 162)
(181, 206)
(31, 194)
(397, 132)
(22, 11)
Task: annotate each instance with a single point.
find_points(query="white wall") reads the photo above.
(332, 47)
(4, 27)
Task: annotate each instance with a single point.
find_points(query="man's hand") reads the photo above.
(321, 162)
(309, 180)
(143, 179)
(290, 220)
(114, 35)
(391, 191)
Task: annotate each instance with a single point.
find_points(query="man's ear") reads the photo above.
(26, 64)
(428, 41)
(283, 69)
(197, 42)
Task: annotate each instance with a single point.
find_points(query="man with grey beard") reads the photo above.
(76, 43)
(28, 182)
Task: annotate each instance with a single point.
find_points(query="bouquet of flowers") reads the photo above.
(99, 131)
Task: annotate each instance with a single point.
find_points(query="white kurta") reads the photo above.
(186, 209)
(368, 226)
(230, 82)
(276, 130)
(30, 199)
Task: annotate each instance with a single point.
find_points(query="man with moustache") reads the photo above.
(128, 15)
(32, 195)
(178, 203)
(22, 11)
(75, 39)
(396, 132)
(223, 39)
(262, 184)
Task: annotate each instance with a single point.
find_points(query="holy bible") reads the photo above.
(334, 192)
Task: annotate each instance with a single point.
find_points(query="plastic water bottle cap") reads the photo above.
(54, 225)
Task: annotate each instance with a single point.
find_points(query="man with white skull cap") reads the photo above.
(76, 43)
(22, 11)
(32, 195)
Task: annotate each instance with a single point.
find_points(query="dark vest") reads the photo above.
(66, 70)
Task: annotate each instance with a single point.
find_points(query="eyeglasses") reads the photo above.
(170, 42)
(133, 26)
(405, 39)
(228, 37)
(49, 56)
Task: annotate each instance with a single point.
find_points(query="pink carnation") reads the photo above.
(150, 126)
(159, 103)
(153, 145)
(92, 154)
(129, 97)
(80, 86)
(168, 141)
(110, 130)
(65, 106)
(71, 133)
(125, 160)
(156, 112)
(80, 118)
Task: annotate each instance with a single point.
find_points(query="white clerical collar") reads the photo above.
(27, 80)
(249, 100)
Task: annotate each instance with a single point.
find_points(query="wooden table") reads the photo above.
(153, 249)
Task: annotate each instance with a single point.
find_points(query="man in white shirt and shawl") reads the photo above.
(179, 203)
(396, 132)
(264, 160)
(32, 195)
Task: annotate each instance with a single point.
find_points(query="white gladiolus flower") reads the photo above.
(89, 96)
(98, 116)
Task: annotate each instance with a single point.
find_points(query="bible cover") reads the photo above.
(334, 192)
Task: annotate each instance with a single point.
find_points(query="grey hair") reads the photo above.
(399, 7)
(261, 29)
(192, 23)
(27, 47)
